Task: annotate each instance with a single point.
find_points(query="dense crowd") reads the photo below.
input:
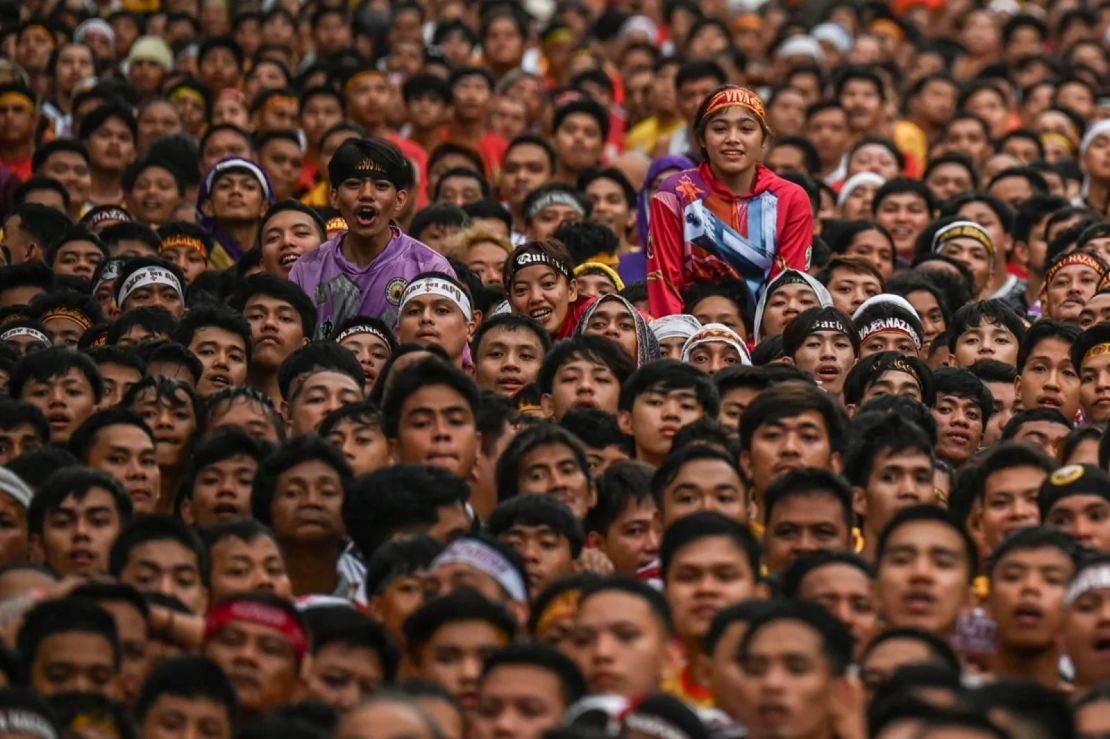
(562, 369)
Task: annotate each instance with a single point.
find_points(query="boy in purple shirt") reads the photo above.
(364, 270)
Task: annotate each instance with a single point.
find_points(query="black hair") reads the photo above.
(50, 148)
(667, 375)
(1036, 537)
(288, 455)
(836, 640)
(442, 214)
(36, 466)
(900, 185)
(396, 558)
(736, 291)
(154, 319)
(625, 482)
(586, 240)
(592, 347)
(535, 140)
(424, 373)
(790, 583)
(213, 316)
(962, 383)
(149, 528)
(673, 463)
(15, 413)
(789, 399)
(278, 289)
(974, 315)
(230, 395)
(350, 628)
(313, 357)
(114, 592)
(27, 274)
(928, 513)
(874, 434)
(86, 436)
(705, 524)
(1031, 415)
(187, 676)
(1046, 328)
(953, 157)
(171, 352)
(654, 599)
(45, 224)
(461, 605)
(62, 615)
(595, 428)
(808, 481)
(52, 363)
(572, 685)
(536, 435)
(364, 412)
(942, 651)
(586, 106)
(538, 510)
(40, 183)
(397, 498)
(1001, 209)
(512, 322)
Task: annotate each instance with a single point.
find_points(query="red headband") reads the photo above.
(737, 97)
(261, 614)
(1076, 257)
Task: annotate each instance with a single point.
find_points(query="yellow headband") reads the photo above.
(14, 97)
(733, 97)
(605, 269)
(1096, 351)
(561, 606)
(359, 75)
(189, 94)
(182, 240)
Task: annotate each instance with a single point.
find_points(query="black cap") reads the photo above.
(1072, 479)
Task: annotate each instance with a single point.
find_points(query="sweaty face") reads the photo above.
(924, 574)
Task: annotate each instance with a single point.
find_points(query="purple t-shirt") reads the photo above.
(341, 289)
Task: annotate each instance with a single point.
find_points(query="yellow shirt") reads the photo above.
(646, 135)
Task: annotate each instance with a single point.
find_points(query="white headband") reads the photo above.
(1091, 578)
(439, 287)
(678, 325)
(144, 277)
(716, 333)
(892, 323)
(481, 556)
(1099, 129)
(859, 178)
(362, 328)
(34, 333)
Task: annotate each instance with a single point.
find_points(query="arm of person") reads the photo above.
(795, 238)
(666, 256)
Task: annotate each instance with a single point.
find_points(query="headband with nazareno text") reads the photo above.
(1072, 258)
(485, 558)
(34, 333)
(178, 241)
(439, 288)
(737, 97)
(24, 722)
(261, 614)
(891, 324)
(963, 230)
(532, 258)
(145, 277)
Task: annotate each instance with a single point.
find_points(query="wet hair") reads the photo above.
(975, 315)
(230, 395)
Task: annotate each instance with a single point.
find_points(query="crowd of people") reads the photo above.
(555, 369)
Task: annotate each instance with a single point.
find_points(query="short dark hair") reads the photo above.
(155, 319)
(974, 315)
(461, 605)
(592, 347)
(313, 357)
(62, 615)
(789, 399)
(792, 578)
(365, 412)
(187, 676)
(808, 481)
(874, 433)
(85, 436)
(1030, 415)
(286, 456)
(943, 652)
(425, 373)
(665, 375)
(156, 528)
(343, 625)
(15, 413)
(1046, 328)
(538, 510)
(1008, 455)
(836, 640)
(962, 383)
(622, 484)
(48, 364)
(397, 558)
(77, 482)
(278, 289)
(572, 685)
(678, 458)
(595, 428)
(654, 599)
(1035, 537)
(536, 435)
(702, 525)
(213, 316)
(928, 513)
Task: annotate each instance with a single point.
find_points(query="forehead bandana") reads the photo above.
(737, 97)
(34, 333)
(26, 721)
(178, 241)
(890, 324)
(485, 558)
(524, 258)
(439, 288)
(963, 230)
(1076, 257)
(362, 328)
(70, 315)
(1096, 577)
(717, 333)
(555, 198)
(145, 277)
(260, 614)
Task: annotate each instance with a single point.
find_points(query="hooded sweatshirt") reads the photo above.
(702, 231)
(786, 278)
(340, 289)
(226, 251)
(647, 346)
